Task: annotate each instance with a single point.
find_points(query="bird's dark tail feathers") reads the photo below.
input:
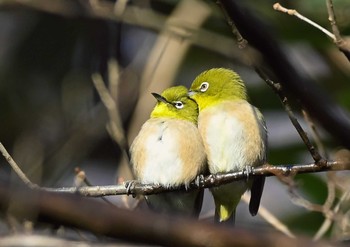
(256, 193)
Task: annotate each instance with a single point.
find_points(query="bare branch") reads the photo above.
(335, 36)
(332, 20)
(165, 58)
(330, 216)
(293, 12)
(120, 6)
(201, 182)
(134, 226)
(278, 90)
(114, 123)
(331, 177)
(142, 17)
(316, 135)
(339, 41)
(16, 168)
(327, 207)
(242, 43)
(273, 57)
(81, 178)
(270, 218)
(209, 181)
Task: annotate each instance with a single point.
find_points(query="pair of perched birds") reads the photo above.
(210, 127)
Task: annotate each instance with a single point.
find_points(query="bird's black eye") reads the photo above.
(204, 86)
(178, 104)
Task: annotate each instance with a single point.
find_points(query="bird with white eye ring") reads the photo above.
(178, 104)
(204, 86)
(169, 151)
(234, 136)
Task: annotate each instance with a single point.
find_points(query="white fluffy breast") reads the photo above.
(162, 164)
(156, 152)
(234, 136)
(224, 139)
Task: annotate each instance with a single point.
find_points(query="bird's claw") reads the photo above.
(199, 181)
(248, 170)
(130, 186)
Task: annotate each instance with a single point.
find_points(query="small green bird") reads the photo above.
(234, 135)
(169, 151)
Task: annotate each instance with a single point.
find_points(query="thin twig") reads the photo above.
(114, 79)
(330, 181)
(81, 175)
(168, 49)
(323, 229)
(209, 181)
(302, 202)
(278, 90)
(16, 168)
(331, 185)
(114, 125)
(315, 134)
(119, 7)
(330, 215)
(270, 218)
(332, 20)
(271, 53)
(335, 36)
(293, 12)
(206, 182)
(324, 209)
(242, 42)
(327, 207)
(339, 41)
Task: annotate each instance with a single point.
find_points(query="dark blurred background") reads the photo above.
(52, 119)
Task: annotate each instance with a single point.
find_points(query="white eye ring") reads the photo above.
(204, 86)
(178, 104)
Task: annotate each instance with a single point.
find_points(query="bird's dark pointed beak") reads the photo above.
(159, 98)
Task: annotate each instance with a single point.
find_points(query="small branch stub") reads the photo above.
(293, 12)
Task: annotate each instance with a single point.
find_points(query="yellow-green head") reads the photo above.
(216, 85)
(175, 103)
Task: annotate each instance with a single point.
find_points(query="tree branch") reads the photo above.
(332, 20)
(134, 226)
(293, 12)
(16, 168)
(135, 16)
(212, 180)
(108, 97)
(316, 101)
(270, 218)
(335, 36)
(278, 90)
(205, 182)
(343, 46)
(316, 135)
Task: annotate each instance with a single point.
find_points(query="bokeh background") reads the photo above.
(52, 119)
